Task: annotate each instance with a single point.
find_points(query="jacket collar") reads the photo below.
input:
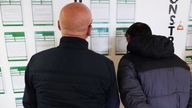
(73, 42)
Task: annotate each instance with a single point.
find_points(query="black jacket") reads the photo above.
(70, 76)
(152, 76)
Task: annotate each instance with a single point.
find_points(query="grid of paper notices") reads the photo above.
(189, 38)
(44, 40)
(1, 83)
(19, 103)
(120, 42)
(100, 10)
(16, 46)
(125, 11)
(99, 40)
(11, 12)
(42, 12)
(17, 76)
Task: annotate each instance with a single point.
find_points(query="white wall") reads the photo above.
(156, 14)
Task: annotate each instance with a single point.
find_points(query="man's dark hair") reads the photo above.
(138, 29)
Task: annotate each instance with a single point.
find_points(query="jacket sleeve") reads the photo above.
(190, 98)
(131, 92)
(112, 94)
(29, 98)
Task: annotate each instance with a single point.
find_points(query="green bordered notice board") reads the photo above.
(44, 40)
(120, 42)
(99, 40)
(100, 11)
(126, 11)
(11, 12)
(17, 77)
(42, 12)
(1, 83)
(16, 46)
(19, 103)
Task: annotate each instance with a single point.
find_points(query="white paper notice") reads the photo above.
(16, 46)
(17, 76)
(43, 17)
(100, 11)
(16, 50)
(18, 83)
(100, 45)
(1, 84)
(121, 42)
(11, 15)
(190, 14)
(121, 45)
(19, 103)
(43, 45)
(100, 40)
(44, 40)
(189, 39)
(126, 12)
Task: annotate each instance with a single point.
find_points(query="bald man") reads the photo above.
(70, 75)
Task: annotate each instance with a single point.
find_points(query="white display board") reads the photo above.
(168, 18)
(24, 31)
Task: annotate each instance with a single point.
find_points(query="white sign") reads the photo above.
(166, 17)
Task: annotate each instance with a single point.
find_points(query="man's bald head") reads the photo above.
(75, 20)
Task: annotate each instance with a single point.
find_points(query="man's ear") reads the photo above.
(89, 30)
(58, 24)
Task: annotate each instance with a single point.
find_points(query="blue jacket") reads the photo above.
(152, 76)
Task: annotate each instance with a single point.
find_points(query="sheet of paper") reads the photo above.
(18, 83)
(45, 16)
(100, 45)
(44, 40)
(125, 12)
(19, 103)
(16, 46)
(190, 14)
(100, 40)
(189, 58)
(121, 42)
(100, 11)
(1, 83)
(17, 76)
(189, 39)
(11, 13)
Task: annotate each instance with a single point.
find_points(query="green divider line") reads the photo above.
(18, 98)
(19, 60)
(15, 34)
(2, 92)
(118, 22)
(12, 24)
(188, 49)
(18, 91)
(45, 33)
(19, 68)
(123, 29)
(43, 24)
(101, 29)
